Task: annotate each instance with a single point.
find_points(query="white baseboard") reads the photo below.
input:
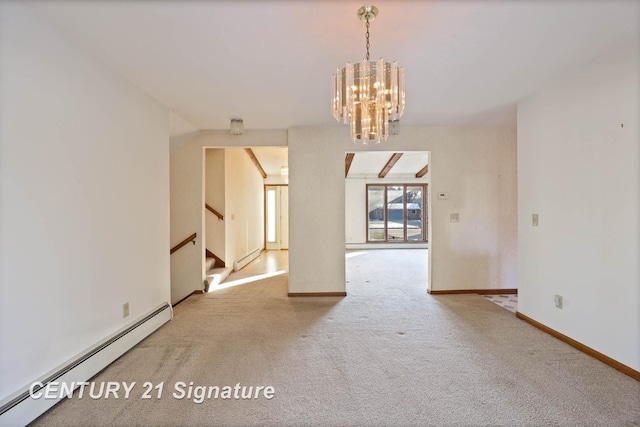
(21, 408)
(372, 246)
(239, 264)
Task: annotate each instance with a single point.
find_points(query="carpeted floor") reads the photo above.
(388, 354)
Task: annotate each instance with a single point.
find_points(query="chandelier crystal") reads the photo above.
(368, 94)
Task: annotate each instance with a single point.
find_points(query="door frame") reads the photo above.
(278, 230)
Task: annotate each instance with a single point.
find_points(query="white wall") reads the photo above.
(84, 214)
(214, 195)
(244, 205)
(187, 217)
(356, 211)
(579, 170)
(316, 210)
(476, 166)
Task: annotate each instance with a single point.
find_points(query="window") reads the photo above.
(376, 230)
(271, 215)
(396, 213)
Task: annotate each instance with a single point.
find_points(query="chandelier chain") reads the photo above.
(367, 39)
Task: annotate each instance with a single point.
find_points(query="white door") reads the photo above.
(277, 217)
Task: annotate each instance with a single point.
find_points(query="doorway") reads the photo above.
(388, 207)
(276, 217)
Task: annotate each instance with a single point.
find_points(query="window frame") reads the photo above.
(424, 232)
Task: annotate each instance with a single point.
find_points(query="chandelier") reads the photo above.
(368, 94)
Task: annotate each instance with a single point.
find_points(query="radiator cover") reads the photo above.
(21, 409)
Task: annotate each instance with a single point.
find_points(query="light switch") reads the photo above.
(558, 301)
(534, 220)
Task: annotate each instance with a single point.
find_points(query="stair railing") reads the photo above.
(215, 212)
(191, 238)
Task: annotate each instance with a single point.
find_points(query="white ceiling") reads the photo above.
(272, 158)
(368, 164)
(270, 62)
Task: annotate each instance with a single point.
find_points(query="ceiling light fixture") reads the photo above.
(237, 126)
(368, 94)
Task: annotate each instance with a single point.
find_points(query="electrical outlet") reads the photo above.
(558, 301)
(454, 217)
(534, 220)
(125, 309)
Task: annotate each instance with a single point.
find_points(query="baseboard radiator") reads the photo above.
(21, 408)
(239, 264)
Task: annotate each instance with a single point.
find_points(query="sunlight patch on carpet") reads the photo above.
(246, 280)
(353, 254)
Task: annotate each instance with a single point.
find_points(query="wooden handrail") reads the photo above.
(191, 238)
(215, 212)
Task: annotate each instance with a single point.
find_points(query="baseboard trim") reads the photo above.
(583, 348)
(196, 292)
(386, 245)
(22, 407)
(316, 294)
(509, 291)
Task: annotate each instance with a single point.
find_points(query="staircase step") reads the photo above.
(215, 277)
(210, 263)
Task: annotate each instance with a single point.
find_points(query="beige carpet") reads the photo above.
(388, 354)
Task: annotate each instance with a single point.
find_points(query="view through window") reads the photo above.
(396, 213)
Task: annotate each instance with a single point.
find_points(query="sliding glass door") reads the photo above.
(396, 213)
(416, 214)
(376, 220)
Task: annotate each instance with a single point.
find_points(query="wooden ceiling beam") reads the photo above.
(347, 163)
(392, 161)
(423, 172)
(255, 161)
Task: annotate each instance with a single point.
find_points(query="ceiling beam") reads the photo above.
(347, 163)
(422, 172)
(392, 161)
(255, 161)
